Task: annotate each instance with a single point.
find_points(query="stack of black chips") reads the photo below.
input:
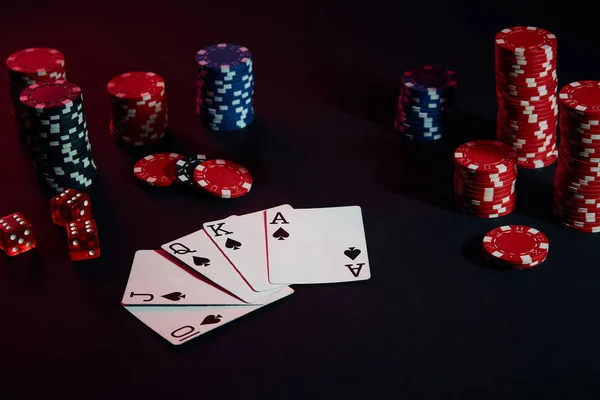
(57, 135)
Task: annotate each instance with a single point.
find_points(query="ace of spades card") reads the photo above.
(319, 245)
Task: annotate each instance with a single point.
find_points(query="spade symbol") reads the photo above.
(211, 319)
(232, 244)
(201, 261)
(175, 296)
(352, 253)
(281, 234)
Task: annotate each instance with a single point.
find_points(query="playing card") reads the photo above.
(316, 245)
(242, 241)
(199, 252)
(181, 324)
(156, 280)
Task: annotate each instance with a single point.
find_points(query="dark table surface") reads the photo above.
(433, 322)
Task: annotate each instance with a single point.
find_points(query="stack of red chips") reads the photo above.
(28, 67)
(485, 178)
(139, 108)
(577, 179)
(526, 85)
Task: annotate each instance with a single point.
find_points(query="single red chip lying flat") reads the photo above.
(223, 178)
(157, 169)
(517, 246)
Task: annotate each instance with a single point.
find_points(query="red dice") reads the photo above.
(70, 205)
(83, 239)
(16, 234)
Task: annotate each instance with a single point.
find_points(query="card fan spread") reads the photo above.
(526, 84)
(485, 178)
(227, 269)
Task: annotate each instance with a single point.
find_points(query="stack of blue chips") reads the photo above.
(225, 87)
(425, 103)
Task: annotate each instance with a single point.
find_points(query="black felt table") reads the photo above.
(434, 322)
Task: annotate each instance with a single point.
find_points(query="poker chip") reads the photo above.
(577, 177)
(57, 135)
(185, 169)
(223, 178)
(526, 85)
(139, 108)
(485, 178)
(516, 246)
(157, 169)
(225, 87)
(425, 103)
(27, 67)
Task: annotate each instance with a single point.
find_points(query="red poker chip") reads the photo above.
(516, 244)
(485, 156)
(526, 40)
(488, 204)
(223, 178)
(38, 61)
(136, 85)
(547, 54)
(527, 64)
(50, 94)
(537, 71)
(479, 188)
(157, 169)
(582, 97)
(495, 214)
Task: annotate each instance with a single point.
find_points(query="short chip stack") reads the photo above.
(526, 84)
(139, 108)
(485, 178)
(425, 103)
(220, 178)
(225, 87)
(28, 67)
(516, 246)
(58, 134)
(577, 179)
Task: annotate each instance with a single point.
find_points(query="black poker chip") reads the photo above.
(185, 169)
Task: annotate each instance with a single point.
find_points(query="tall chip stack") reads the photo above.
(225, 87)
(425, 103)
(485, 178)
(27, 67)
(526, 85)
(139, 108)
(577, 178)
(58, 134)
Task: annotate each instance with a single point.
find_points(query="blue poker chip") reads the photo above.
(225, 122)
(224, 105)
(227, 89)
(423, 138)
(228, 122)
(233, 111)
(224, 58)
(226, 80)
(230, 127)
(430, 80)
